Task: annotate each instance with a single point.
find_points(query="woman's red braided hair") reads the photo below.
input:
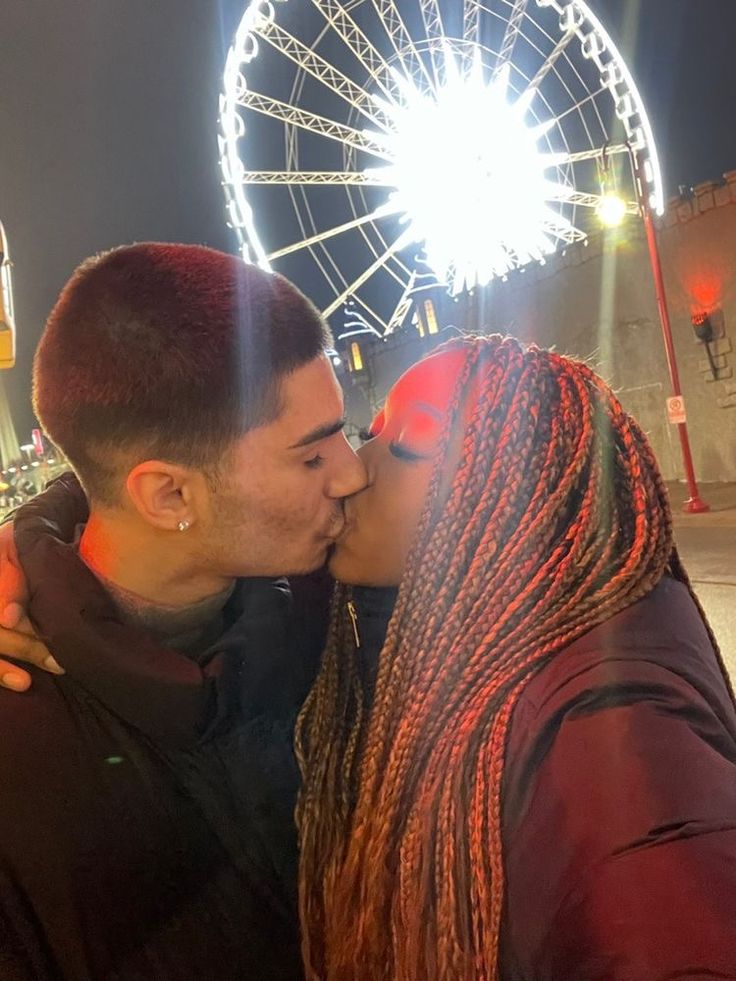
(557, 519)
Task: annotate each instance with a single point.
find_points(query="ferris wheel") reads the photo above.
(368, 143)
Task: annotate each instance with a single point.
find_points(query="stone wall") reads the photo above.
(597, 302)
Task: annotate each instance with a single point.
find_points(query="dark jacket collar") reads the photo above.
(373, 607)
(172, 699)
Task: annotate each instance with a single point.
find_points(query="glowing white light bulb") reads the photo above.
(611, 209)
(468, 178)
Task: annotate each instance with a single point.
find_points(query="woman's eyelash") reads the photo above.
(401, 453)
(315, 462)
(396, 449)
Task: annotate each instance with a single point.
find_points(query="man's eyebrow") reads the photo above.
(321, 432)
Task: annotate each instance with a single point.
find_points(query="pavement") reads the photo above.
(707, 545)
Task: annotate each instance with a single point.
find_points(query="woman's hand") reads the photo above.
(17, 636)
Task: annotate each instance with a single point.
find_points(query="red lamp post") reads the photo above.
(694, 504)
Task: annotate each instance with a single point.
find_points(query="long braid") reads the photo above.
(557, 519)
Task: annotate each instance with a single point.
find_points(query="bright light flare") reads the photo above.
(611, 210)
(469, 178)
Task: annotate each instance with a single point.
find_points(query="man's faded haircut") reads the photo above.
(173, 352)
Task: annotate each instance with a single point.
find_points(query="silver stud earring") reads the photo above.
(183, 525)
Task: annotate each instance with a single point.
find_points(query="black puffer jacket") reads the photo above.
(146, 829)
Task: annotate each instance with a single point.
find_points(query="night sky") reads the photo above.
(108, 115)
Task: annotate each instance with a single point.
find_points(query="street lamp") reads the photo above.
(612, 213)
(611, 209)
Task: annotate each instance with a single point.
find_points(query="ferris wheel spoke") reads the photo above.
(579, 105)
(434, 32)
(286, 113)
(333, 79)
(369, 309)
(594, 154)
(403, 306)
(592, 201)
(569, 235)
(366, 274)
(347, 226)
(471, 21)
(548, 64)
(340, 178)
(360, 46)
(432, 19)
(402, 42)
(512, 32)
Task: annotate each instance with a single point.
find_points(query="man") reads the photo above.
(146, 823)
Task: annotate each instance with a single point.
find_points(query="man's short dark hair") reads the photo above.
(166, 351)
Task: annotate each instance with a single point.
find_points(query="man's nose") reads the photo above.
(349, 474)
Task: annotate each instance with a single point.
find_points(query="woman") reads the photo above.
(536, 776)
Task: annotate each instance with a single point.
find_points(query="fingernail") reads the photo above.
(15, 681)
(53, 665)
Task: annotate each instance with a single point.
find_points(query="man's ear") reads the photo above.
(166, 495)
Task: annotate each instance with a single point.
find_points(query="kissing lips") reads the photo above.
(337, 528)
(347, 528)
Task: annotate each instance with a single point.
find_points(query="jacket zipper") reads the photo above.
(354, 620)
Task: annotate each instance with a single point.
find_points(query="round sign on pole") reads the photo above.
(676, 410)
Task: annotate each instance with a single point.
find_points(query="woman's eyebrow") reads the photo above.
(431, 410)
